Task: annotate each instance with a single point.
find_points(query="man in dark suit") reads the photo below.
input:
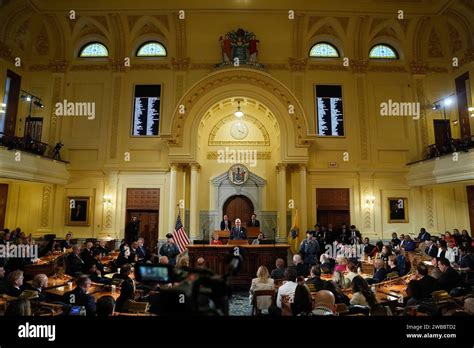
(380, 272)
(67, 242)
(74, 262)
(15, 283)
(86, 256)
(3, 281)
(426, 283)
(238, 232)
(143, 255)
(431, 249)
(279, 271)
(225, 224)
(301, 269)
(449, 278)
(423, 235)
(132, 230)
(253, 221)
(354, 235)
(80, 297)
(102, 247)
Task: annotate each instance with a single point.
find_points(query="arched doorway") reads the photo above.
(238, 206)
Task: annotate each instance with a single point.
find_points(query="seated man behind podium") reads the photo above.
(253, 221)
(238, 232)
(225, 224)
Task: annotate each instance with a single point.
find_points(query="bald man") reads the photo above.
(325, 303)
(238, 232)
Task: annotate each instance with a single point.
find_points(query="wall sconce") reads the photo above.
(108, 199)
(370, 200)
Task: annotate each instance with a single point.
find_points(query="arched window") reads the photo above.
(151, 49)
(323, 50)
(383, 51)
(93, 50)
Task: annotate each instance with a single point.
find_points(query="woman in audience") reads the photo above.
(262, 282)
(378, 249)
(352, 270)
(341, 264)
(466, 240)
(361, 293)
(302, 302)
(127, 294)
(18, 308)
(386, 253)
(340, 280)
(449, 239)
(326, 264)
(444, 251)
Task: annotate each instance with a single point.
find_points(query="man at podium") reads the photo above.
(238, 232)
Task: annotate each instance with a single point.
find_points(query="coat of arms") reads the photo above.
(239, 47)
(238, 174)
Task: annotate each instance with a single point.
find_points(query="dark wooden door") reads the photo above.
(442, 131)
(463, 107)
(148, 226)
(3, 204)
(470, 202)
(333, 207)
(12, 90)
(238, 207)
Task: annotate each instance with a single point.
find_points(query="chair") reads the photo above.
(286, 306)
(136, 307)
(261, 293)
(342, 308)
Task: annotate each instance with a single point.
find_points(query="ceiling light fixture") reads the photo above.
(238, 113)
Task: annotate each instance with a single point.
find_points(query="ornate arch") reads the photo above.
(244, 82)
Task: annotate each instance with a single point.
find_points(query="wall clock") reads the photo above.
(239, 130)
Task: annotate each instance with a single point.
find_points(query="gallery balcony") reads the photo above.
(443, 167)
(26, 160)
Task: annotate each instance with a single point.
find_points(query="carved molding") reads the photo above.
(238, 76)
(359, 66)
(150, 66)
(328, 67)
(429, 208)
(298, 64)
(115, 117)
(45, 206)
(364, 143)
(5, 51)
(53, 118)
(213, 155)
(180, 64)
(90, 67)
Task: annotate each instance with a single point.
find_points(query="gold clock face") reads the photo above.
(239, 130)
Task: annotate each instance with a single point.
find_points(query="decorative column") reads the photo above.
(110, 206)
(193, 207)
(281, 179)
(172, 199)
(303, 206)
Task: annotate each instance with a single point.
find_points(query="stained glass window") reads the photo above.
(324, 50)
(383, 52)
(93, 50)
(151, 49)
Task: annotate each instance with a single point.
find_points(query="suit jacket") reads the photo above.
(78, 297)
(278, 273)
(14, 292)
(427, 285)
(237, 234)
(449, 280)
(224, 227)
(86, 256)
(253, 224)
(41, 294)
(74, 264)
(424, 236)
(302, 270)
(432, 251)
(143, 254)
(380, 275)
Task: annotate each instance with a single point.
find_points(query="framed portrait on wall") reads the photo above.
(397, 209)
(78, 211)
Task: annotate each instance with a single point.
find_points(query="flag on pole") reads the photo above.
(179, 235)
(293, 236)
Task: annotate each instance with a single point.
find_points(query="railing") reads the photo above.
(456, 145)
(26, 144)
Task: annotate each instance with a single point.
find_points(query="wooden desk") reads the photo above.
(254, 256)
(55, 281)
(46, 264)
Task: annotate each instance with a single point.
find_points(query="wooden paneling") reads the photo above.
(3, 204)
(254, 256)
(145, 199)
(148, 225)
(470, 202)
(332, 199)
(464, 119)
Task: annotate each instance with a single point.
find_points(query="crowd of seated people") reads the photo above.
(452, 270)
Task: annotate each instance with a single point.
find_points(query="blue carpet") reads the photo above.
(239, 304)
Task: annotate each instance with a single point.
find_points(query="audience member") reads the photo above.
(279, 271)
(361, 293)
(324, 303)
(449, 278)
(302, 303)
(301, 269)
(289, 287)
(80, 297)
(201, 263)
(105, 306)
(262, 282)
(15, 283)
(38, 285)
(74, 262)
(18, 308)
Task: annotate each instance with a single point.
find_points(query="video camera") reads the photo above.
(200, 291)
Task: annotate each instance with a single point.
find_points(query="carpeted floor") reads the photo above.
(239, 304)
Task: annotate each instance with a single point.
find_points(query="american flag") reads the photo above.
(179, 236)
